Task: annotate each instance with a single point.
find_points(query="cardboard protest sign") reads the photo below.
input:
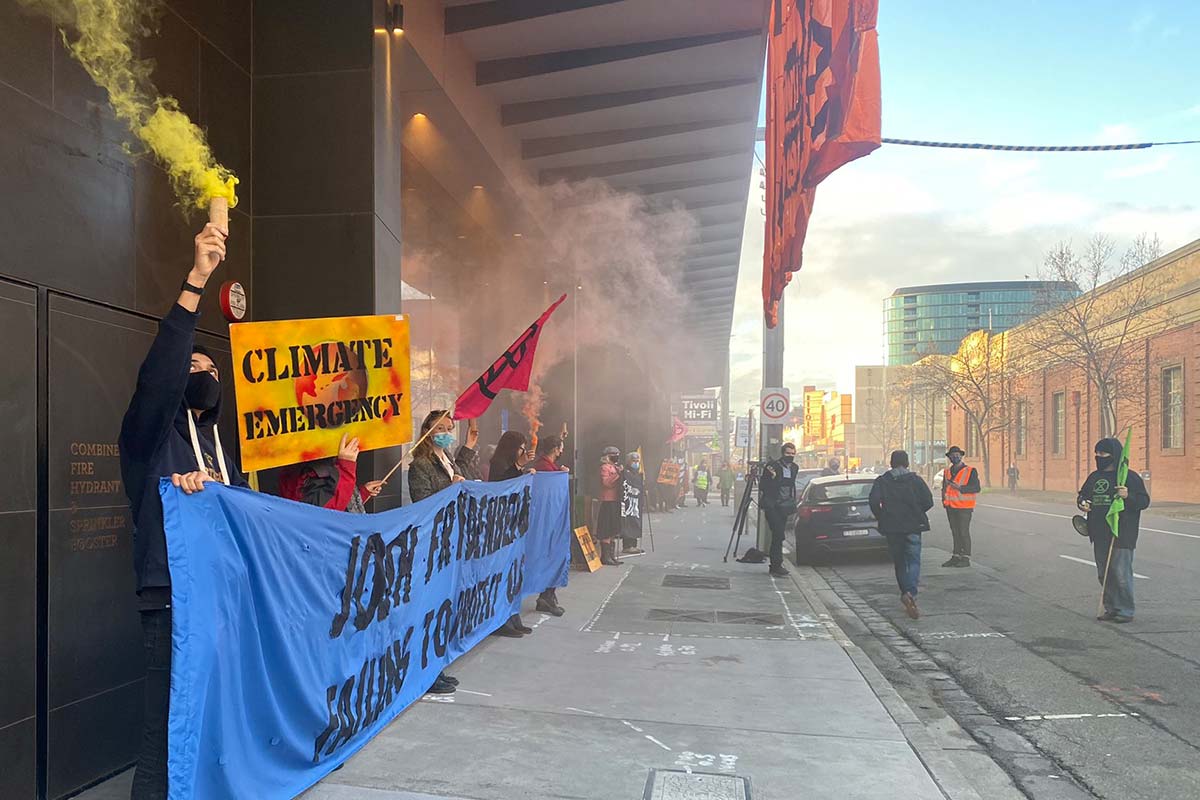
(668, 473)
(302, 384)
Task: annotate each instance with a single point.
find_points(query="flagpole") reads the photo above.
(1104, 584)
(424, 436)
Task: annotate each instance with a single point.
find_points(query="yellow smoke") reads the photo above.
(105, 33)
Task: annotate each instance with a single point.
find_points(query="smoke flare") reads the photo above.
(106, 32)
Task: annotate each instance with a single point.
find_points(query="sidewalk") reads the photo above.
(674, 676)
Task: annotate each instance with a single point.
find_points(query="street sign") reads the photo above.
(776, 405)
(742, 433)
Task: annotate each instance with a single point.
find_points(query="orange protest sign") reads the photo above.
(302, 384)
(588, 546)
(668, 473)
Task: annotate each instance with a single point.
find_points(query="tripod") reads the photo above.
(743, 513)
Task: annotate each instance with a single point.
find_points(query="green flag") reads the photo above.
(1118, 503)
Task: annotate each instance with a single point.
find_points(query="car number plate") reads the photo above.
(856, 533)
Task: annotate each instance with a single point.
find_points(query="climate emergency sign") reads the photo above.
(302, 384)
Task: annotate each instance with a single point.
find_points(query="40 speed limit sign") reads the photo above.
(775, 404)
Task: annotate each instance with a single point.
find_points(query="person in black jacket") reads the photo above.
(777, 497)
(511, 460)
(899, 501)
(1095, 497)
(169, 429)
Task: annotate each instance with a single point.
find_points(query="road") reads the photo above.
(1118, 706)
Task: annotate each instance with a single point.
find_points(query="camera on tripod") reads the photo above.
(754, 468)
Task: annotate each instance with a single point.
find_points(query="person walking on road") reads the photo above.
(1095, 496)
(777, 497)
(900, 501)
(1014, 477)
(727, 479)
(960, 487)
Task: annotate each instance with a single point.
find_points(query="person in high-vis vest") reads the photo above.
(700, 483)
(960, 486)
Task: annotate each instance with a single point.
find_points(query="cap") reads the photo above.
(611, 451)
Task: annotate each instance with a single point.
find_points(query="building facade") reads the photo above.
(924, 320)
(1052, 415)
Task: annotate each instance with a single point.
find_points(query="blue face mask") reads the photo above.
(444, 440)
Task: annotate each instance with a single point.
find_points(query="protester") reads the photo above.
(170, 430)
(549, 450)
(430, 472)
(432, 469)
(608, 520)
(727, 480)
(330, 482)
(632, 497)
(900, 501)
(1014, 476)
(510, 461)
(700, 481)
(777, 497)
(832, 468)
(1095, 497)
(960, 487)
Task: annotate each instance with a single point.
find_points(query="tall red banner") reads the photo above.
(823, 110)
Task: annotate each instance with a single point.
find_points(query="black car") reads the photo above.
(834, 516)
(803, 477)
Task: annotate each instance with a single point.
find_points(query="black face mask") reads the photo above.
(1103, 462)
(788, 459)
(203, 391)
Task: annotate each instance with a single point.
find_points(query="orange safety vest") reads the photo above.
(953, 498)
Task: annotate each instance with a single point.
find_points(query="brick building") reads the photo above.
(1052, 412)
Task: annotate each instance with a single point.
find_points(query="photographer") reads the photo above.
(777, 497)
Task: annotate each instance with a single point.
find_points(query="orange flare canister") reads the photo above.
(218, 212)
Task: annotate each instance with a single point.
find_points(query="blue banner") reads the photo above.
(299, 632)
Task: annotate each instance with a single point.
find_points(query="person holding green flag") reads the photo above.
(1113, 499)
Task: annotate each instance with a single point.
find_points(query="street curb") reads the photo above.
(1032, 772)
(949, 779)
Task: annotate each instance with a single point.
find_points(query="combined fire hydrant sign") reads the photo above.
(301, 384)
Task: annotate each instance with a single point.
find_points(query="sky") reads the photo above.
(1019, 72)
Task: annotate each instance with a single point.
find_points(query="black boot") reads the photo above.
(515, 621)
(548, 602)
(606, 555)
(508, 631)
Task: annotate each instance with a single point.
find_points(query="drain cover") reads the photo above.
(669, 784)
(695, 582)
(679, 615)
(748, 618)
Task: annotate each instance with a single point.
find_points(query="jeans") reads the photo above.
(150, 777)
(905, 549)
(777, 521)
(1118, 594)
(960, 529)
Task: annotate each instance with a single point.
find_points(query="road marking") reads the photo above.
(631, 725)
(657, 742)
(1063, 516)
(1038, 717)
(1093, 564)
(583, 711)
(588, 625)
(468, 691)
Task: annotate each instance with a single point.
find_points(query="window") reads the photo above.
(1058, 420)
(1172, 408)
(1022, 425)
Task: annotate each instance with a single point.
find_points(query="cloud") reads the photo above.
(1119, 133)
(1142, 22)
(1147, 167)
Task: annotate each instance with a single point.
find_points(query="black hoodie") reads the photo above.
(155, 442)
(1100, 489)
(899, 500)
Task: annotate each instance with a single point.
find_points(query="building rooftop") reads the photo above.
(984, 286)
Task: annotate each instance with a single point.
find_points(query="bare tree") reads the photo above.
(1098, 332)
(975, 378)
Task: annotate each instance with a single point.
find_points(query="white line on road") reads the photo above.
(1093, 564)
(631, 725)
(1064, 516)
(583, 711)
(657, 742)
(481, 694)
(1037, 717)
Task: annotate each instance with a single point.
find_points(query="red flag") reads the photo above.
(823, 110)
(678, 430)
(510, 371)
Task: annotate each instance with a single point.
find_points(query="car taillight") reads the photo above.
(807, 512)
